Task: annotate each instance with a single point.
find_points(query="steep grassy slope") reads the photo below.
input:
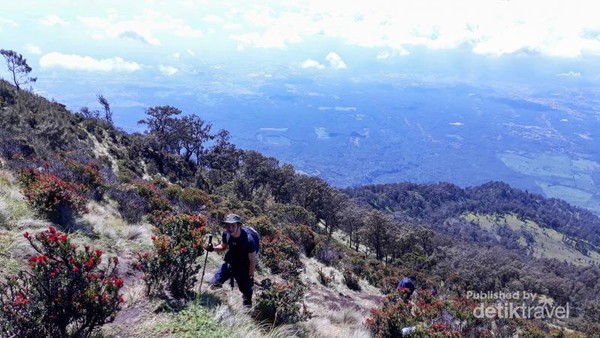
(539, 241)
(336, 310)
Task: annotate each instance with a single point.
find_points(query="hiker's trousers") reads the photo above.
(226, 271)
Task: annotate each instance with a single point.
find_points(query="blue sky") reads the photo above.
(127, 49)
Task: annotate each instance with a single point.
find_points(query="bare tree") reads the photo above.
(107, 112)
(18, 67)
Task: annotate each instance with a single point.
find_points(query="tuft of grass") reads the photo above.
(134, 232)
(9, 264)
(194, 321)
(14, 210)
(345, 317)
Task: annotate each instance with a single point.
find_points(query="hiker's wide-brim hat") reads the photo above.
(232, 218)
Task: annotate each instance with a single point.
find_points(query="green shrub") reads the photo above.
(263, 225)
(323, 278)
(194, 200)
(65, 293)
(130, 204)
(280, 254)
(152, 195)
(280, 304)
(351, 280)
(177, 245)
(328, 252)
(302, 235)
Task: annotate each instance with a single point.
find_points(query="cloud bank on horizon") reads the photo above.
(164, 35)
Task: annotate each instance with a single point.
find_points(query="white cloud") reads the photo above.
(275, 31)
(386, 54)
(33, 49)
(7, 22)
(144, 28)
(211, 18)
(87, 63)
(176, 55)
(168, 70)
(570, 74)
(488, 27)
(310, 63)
(188, 32)
(335, 61)
(134, 36)
(52, 20)
(191, 52)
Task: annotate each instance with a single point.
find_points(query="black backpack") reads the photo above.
(251, 232)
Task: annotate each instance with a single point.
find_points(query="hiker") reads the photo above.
(406, 285)
(240, 259)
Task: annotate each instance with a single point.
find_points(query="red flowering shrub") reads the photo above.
(52, 197)
(429, 316)
(280, 254)
(391, 318)
(280, 304)
(177, 245)
(388, 284)
(65, 294)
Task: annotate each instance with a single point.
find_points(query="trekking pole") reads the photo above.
(205, 259)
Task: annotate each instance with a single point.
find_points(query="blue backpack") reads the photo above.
(406, 283)
(255, 235)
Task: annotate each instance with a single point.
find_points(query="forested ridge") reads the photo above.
(435, 203)
(379, 233)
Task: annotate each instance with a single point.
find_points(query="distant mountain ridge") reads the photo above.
(434, 203)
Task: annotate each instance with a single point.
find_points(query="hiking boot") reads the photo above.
(216, 286)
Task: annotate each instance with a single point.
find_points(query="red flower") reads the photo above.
(20, 300)
(75, 269)
(89, 264)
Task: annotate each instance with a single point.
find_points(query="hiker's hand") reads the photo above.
(209, 248)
